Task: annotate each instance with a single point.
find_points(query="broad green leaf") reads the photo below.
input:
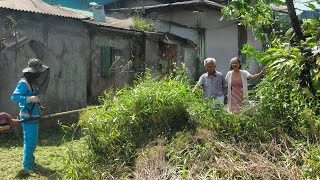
(310, 5)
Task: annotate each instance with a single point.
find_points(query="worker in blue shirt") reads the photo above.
(29, 109)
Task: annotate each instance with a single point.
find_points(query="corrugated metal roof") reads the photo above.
(38, 6)
(207, 3)
(117, 20)
(114, 22)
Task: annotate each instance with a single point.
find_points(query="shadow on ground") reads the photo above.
(39, 171)
(47, 136)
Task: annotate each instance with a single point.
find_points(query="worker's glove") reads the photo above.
(33, 99)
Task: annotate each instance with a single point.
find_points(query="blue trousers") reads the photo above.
(30, 140)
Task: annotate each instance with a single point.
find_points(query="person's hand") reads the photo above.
(14, 121)
(265, 69)
(33, 99)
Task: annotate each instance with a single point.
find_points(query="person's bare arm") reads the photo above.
(196, 86)
(256, 76)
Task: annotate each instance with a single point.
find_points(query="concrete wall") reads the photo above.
(185, 53)
(221, 36)
(252, 64)
(222, 44)
(129, 55)
(135, 52)
(62, 44)
(191, 62)
(152, 52)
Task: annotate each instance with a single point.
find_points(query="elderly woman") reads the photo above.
(29, 109)
(237, 85)
(212, 81)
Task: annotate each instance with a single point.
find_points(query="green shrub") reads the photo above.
(281, 95)
(135, 115)
(155, 107)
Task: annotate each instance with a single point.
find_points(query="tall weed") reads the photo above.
(135, 115)
(166, 107)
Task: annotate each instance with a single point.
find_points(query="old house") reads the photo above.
(36, 29)
(85, 56)
(202, 23)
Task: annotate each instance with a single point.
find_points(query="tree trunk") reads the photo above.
(294, 20)
(305, 76)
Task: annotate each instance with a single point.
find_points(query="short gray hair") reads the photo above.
(209, 60)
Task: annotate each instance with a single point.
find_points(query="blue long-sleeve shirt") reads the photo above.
(20, 94)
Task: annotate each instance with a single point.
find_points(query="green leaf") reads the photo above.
(310, 5)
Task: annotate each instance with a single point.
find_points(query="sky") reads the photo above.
(301, 5)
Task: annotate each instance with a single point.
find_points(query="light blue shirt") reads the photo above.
(212, 85)
(20, 94)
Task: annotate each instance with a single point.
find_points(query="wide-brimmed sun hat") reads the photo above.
(35, 66)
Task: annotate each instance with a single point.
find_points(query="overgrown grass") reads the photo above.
(121, 134)
(143, 25)
(160, 129)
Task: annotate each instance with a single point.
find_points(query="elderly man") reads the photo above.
(211, 82)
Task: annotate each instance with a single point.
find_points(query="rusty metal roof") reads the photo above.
(117, 20)
(113, 22)
(38, 6)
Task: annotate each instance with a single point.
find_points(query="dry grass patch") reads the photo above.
(201, 156)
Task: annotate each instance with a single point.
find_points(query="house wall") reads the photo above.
(135, 51)
(62, 44)
(152, 52)
(221, 36)
(253, 66)
(129, 56)
(185, 53)
(191, 62)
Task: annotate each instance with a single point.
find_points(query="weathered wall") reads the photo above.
(186, 52)
(222, 44)
(191, 61)
(253, 65)
(221, 36)
(62, 44)
(152, 52)
(129, 54)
